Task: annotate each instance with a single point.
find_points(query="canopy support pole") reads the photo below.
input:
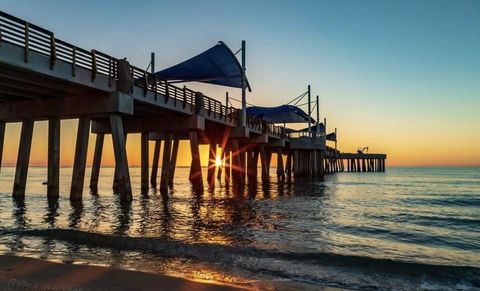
(244, 85)
(309, 113)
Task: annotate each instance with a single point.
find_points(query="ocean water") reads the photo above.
(405, 229)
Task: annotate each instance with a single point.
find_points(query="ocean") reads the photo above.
(405, 229)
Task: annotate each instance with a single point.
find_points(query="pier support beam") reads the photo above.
(115, 176)
(236, 162)
(288, 165)
(263, 161)
(228, 164)
(156, 159)
(144, 153)
(167, 151)
(2, 138)
(173, 161)
(196, 169)
(212, 152)
(80, 159)
(119, 148)
(23, 159)
(53, 176)
(280, 169)
(97, 160)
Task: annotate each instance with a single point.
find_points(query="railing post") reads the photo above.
(145, 86)
(110, 71)
(184, 97)
(156, 87)
(94, 65)
(175, 97)
(26, 41)
(53, 51)
(74, 60)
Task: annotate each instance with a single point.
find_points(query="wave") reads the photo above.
(216, 253)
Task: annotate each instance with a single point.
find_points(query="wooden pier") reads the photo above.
(45, 78)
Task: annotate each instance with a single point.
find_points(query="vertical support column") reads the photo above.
(2, 138)
(243, 164)
(21, 171)
(212, 151)
(264, 162)
(80, 159)
(236, 163)
(228, 164)
(222, 160)
(280, 169)
(97, 159)
(53, 178)
(144, 155)
(196, 169)
(321, 169)
(173, 161)
(269, 160)
(296, 160)
(115, 177)
(167, 151)
(119, 148)
(288, 165)
(250, 170)
(156, 159)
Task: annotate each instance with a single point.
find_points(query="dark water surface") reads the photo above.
(406, 229)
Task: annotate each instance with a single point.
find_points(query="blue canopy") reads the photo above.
(280, 114)
(314, 128)
(217, 65)
(332, 136)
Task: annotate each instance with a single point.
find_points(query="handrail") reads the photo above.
(35, 38)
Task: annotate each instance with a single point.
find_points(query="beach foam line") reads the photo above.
(216, 253)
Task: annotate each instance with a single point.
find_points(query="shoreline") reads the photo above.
(25, 273)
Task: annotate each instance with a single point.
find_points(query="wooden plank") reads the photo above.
(21, 171)
(119, 148)
(80, 159)
(53, 176)
(156, 159)
(144, 153)
(97, 160)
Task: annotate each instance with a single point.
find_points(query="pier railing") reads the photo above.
(34, 38)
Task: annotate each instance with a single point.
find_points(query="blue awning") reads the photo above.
(280, 114)
(217, 65)
(332, 136)
(314, 128)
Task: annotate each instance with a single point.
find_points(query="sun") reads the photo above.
(218, 162)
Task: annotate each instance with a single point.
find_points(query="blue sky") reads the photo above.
(406, 71)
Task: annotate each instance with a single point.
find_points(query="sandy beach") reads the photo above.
(22, 273)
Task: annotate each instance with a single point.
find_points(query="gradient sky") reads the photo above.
(402, 77)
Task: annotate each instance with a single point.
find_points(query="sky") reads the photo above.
(401, 77)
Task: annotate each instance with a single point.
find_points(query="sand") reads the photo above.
(21, 273)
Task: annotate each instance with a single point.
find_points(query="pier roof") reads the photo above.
(217, 65)
(280, 114)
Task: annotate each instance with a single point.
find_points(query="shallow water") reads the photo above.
(407, 228)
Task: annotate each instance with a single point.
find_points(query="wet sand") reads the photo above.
(21, 273)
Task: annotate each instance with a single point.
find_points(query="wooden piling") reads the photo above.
(53, 176)
(167, 151)
(115, 184)
(144, 156)
(212, 155)
(80, 159)
(97, 160)
(21, 171)
(2, 139)
(288, 165)
(196, 169)
(236, 162)
(119, 148)
(228, 164)
(263, 161)
(173, 161)
(156, 159)
(280, 169)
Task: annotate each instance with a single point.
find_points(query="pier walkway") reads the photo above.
(45, 78)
